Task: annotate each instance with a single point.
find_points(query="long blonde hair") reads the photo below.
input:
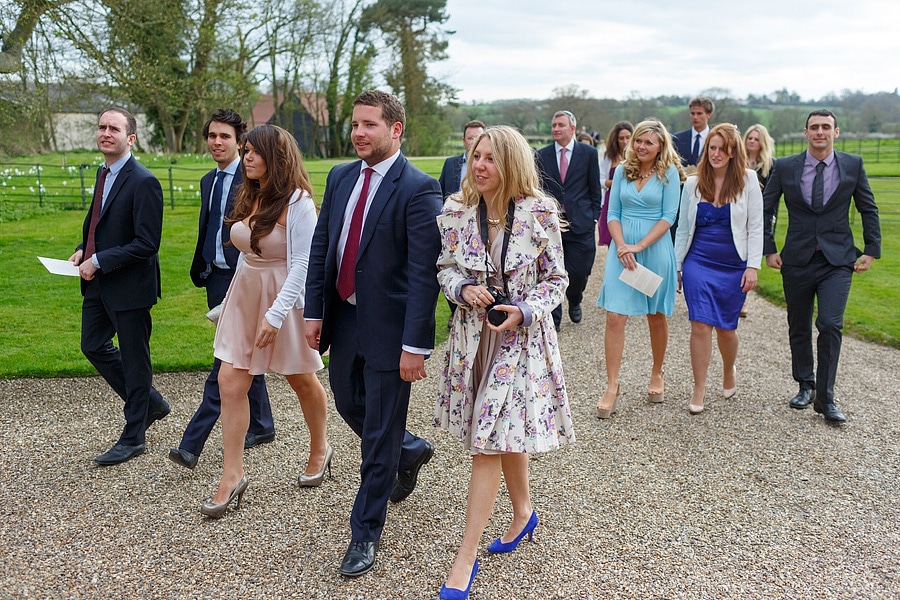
(764, 159)
(735, 171)
(516, 169)
(667, 154)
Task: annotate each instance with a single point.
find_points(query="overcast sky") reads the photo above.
(505, 49)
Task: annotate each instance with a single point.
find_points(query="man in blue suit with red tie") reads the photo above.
(215, 261)
(371, 291)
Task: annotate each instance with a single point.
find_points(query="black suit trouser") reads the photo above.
(204, 419)
(818, 282)
(126, 369)
(579, 251)
(374, 404)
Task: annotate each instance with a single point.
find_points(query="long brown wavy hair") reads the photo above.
(735, 171)
(285, 173)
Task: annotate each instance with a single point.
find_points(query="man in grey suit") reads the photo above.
(819, 257)
(570, 172)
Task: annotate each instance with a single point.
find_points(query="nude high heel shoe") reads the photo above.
(730, 392)
(217, 511)
(657, 397)
(605, 413)
(317, 479)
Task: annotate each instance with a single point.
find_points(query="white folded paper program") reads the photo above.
(59, 267)
(642, 279)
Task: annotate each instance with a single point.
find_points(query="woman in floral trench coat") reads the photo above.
(502, 391)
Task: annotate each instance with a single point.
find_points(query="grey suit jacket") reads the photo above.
(828, 230)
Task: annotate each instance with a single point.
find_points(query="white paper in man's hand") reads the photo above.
(642, 279)
(59, 267)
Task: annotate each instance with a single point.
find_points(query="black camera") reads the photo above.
(494, 315)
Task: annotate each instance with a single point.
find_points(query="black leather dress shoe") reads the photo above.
(406, 480)
(119, 454)
(158, 412)
(575, 313)
(830, 412)
(183, 458)
(253, 439)
(803, 399)
(359, 558)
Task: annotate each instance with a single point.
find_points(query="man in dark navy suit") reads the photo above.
(215, 260)
(570, 172)
(819, 257)
(371, 291)
(454, 170)
(118, 261)
(689, 143)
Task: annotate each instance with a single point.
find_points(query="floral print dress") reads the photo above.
(515, 401)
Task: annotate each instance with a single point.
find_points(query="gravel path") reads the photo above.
(748, 500)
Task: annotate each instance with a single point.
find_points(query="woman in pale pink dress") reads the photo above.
(261, 327)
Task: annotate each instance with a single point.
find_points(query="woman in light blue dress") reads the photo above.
(643, 203)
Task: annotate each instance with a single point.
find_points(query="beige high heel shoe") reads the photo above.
(217, 511)
(730, 392)
(657, 397)
(605, 413)
(317, 479)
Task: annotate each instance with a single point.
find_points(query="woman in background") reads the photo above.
(718, 249)
(261, 327)
(760, 149)
(616, 143)
(643, 202)
(502, 390)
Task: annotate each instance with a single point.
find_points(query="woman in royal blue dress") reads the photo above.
(718, 249)
(643, 202)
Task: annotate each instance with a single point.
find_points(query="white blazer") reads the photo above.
(746, 221)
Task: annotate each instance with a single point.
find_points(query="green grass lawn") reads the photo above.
(40, 314)
(873, 310)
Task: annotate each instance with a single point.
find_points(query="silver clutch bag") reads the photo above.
(213, 314)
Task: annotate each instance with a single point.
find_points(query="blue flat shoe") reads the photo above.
(498, 547)
(455, 594)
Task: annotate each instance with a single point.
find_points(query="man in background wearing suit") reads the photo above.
(215, 261)
(371, 291)
(118, 262)
(689, 143)
(819, 257)
(570, 172)
(455, 167)
(454, 170)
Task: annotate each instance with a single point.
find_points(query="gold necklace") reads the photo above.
(493, 222)
(643, 177)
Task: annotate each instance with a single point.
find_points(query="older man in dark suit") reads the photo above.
(371, 291)
(119, 266)
(570, 172)
(819, 257)
(215, 261)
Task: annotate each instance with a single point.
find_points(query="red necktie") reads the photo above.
(346, 283)
(563, 165)
(96, 206)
